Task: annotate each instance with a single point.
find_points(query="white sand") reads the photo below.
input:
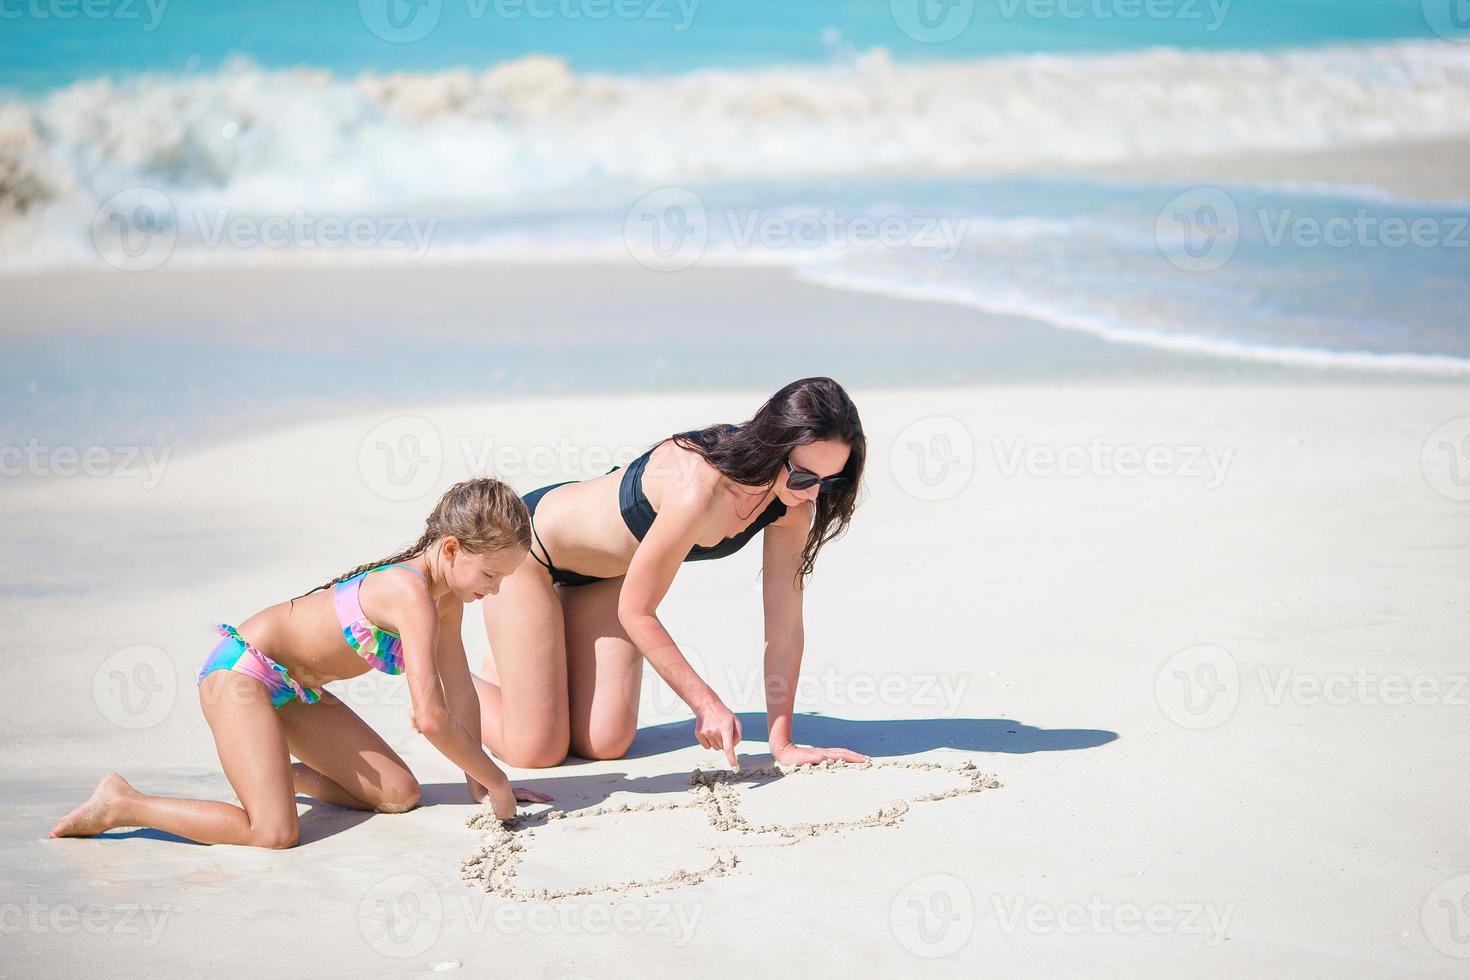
(1021, 622)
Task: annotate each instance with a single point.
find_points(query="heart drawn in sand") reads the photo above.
(714, 795)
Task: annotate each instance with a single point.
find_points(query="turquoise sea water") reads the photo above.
(49, 43)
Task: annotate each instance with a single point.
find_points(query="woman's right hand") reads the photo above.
(716, 727)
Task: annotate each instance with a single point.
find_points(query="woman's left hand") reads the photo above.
(797, 755)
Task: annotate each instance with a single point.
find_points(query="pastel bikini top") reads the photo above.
(382, 649)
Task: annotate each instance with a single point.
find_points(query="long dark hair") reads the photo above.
(485, 515)
(753, 453)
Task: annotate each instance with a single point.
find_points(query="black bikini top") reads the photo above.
(638, 514)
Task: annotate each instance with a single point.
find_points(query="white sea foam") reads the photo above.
(534, 132)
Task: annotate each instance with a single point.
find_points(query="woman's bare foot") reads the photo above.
(100, 811)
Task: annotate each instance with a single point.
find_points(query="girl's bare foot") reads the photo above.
(99, 813)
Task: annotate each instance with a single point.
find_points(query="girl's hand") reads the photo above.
(796, 755)
(480, 794)
(716, 727)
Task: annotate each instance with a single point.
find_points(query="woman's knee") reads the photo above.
(543, 752)
(608, 742)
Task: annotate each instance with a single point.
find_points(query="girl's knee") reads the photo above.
(399, 796)
(278, 835)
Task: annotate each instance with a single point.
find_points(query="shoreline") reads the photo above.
(189, 356)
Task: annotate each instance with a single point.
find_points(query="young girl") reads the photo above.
(261, 687)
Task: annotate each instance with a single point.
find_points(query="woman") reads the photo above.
(569, 631)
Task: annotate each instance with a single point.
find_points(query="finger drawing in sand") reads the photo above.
(570, 631)
(261, 687)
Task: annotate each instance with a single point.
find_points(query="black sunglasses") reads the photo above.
(800, 479)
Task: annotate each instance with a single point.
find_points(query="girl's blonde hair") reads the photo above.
(484, 514)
